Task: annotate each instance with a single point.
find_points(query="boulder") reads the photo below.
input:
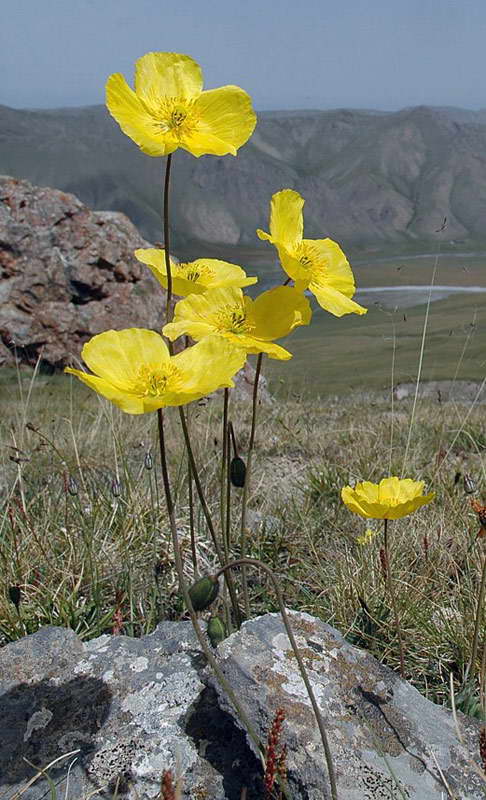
(115, 712)
(67, 273)
(387, 740)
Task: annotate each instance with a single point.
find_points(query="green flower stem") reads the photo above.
(207, 515)
(187, 600)
(391, 592)
(479, 617)
(228, 492)
(317, 712)
(191, 519)
(244, 501)
(167, 237)
(224, 461)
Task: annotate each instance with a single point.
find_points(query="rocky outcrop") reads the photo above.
(66, 274)
(110, 715)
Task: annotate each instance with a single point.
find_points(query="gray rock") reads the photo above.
(116, 712)
(387, 740)
(129, 708)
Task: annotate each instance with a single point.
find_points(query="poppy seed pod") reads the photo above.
(216, 631)
(237, 472)
(204, 592)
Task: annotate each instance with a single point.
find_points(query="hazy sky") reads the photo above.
(382, 54)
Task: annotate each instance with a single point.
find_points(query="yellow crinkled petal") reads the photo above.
(278, 311)
(357, 505)
(253, 345)
(197, 314)
(196, 330)
(225, 114)
(173, 75)
(335, 302)
(154, 259)
(390, 491)
(117, 355)
(127, 402)
(286, 220)
(224, 274)
(367, 491)
(135, 119)
(209, 365)
(337, 273)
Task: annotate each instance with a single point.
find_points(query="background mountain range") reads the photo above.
(372, 180)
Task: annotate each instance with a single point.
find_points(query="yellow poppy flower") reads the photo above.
(133, 369)
(250, 324)
(168, 108)
(316, 264)
(194, 277)
(392, 498)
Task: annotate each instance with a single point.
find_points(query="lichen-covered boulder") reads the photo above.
(387, 740)
(110, 715)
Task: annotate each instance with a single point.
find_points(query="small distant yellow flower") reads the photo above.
(249, 324)
(316, 264)
(168, 108)
(194, 277)
(392, 498)
(133, 369)
(366, 537)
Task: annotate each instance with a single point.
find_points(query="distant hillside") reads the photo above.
(368, 178)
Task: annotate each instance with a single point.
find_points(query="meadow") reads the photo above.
(85, 536)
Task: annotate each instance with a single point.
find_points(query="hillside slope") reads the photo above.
(367, 177)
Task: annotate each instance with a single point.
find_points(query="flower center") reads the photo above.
(154, 381)
(193, 272)
(233, 319)
(175, 116)
(312, 260)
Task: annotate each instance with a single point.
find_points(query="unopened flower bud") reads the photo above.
(237, 471)
(14, 595)
(469, 484)
(148, 461)
(215, 630)
(204, 592)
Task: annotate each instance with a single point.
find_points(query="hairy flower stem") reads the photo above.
(391, 592)
(244, 501)
(224, 461)
(191, 519)
(479, 617)
(207, 515)
(228, 494)
(285, 619)
(187, 599)
(167, 237)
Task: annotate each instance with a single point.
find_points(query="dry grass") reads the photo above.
(84, 534)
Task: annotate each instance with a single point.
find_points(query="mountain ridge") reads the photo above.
(369, 178)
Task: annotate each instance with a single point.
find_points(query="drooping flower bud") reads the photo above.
(216, 631)
(204, 592)
(237, 471)
(14, 595)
